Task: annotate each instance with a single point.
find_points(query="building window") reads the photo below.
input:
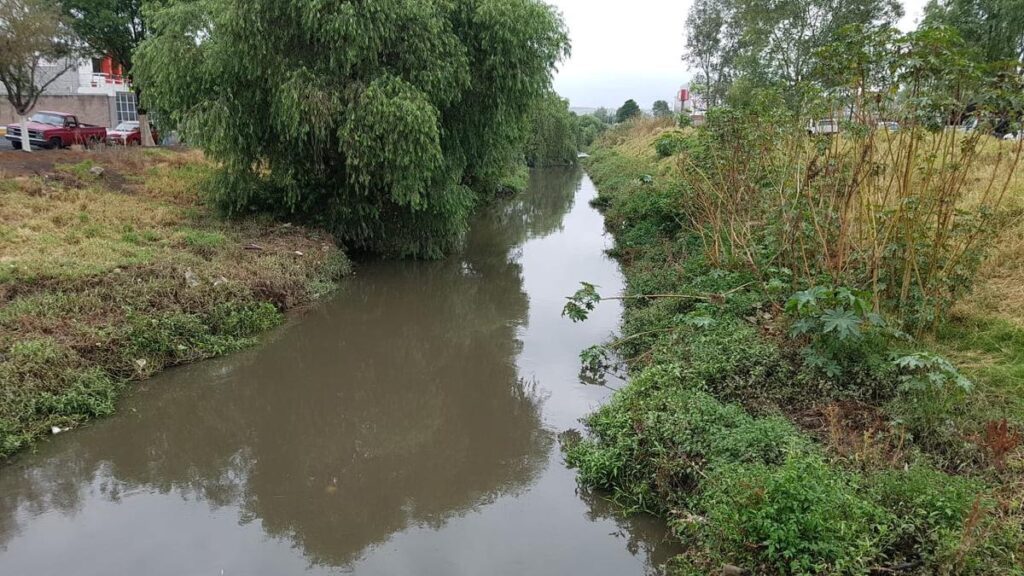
(127, 109)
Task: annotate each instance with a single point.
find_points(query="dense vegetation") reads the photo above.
(805, 397)
(746, 43)
(553, 135)
(628, 111)
(784, 426)
(385, 121)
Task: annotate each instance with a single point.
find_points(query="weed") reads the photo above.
(802, 517)
(81, 170)
(202, 242)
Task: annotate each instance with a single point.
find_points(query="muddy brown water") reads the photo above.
(406, 426)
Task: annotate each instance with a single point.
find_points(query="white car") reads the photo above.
(823, 126)
(1012, 136)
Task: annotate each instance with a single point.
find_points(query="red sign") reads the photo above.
(684, 95)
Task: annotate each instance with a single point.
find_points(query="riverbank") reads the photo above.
(113, 268)
(754, 450)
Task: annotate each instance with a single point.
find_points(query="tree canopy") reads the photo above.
(995, 28)
(116, 28)
(770, 43)
(588, 128)
(384, 120)
(553, 133)
(110, 27)
(629, 110)
(32, 32)
(661, 109)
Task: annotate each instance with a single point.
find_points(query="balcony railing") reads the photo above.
(101, 80)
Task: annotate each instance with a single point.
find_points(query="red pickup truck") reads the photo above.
(57, 130)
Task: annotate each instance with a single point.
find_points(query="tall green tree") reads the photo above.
(32, 32)
(629, 110)
(115, 28)
(770, 42)
(385, 120)
(553, 133)
(588, 128)
(995, 28)
(710, 49)
(660, 109)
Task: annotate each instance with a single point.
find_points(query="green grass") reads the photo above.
(103, 286)
(991, 350)
(80, 170)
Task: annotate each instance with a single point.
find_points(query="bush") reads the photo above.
(673, 142)
(742, 485)
(653, 442)
(930, 511)
(802, 518)
(553, 133)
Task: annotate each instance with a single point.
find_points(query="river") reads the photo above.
(406, 426)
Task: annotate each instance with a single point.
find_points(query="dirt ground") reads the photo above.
(15, 163)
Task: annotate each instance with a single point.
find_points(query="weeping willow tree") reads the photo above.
(553, 133)
(385, 120)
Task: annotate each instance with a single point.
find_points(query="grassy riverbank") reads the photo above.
(112, 268)
(759, 453)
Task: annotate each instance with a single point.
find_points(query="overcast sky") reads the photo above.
(632, 49)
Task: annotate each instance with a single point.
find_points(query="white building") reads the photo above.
(93, 90)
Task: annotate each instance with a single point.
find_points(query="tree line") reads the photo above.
(735, 46)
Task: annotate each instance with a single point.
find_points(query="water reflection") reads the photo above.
(397, 406)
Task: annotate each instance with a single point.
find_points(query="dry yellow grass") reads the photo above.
(65, 232)
(999, 291)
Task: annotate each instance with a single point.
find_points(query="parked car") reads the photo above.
(57, 130)
(889, 125)
(1012, 136)
(823, 126)
(129, 134)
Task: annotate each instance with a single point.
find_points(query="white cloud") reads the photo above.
(633, 49)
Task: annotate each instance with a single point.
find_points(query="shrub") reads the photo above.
(933, 515)
(672, 142)
(801, 518)
(651, 445)
(844, 336)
